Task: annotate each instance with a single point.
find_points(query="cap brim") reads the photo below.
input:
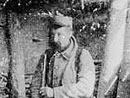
(56, 25)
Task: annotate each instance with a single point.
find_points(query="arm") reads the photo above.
(86, 81)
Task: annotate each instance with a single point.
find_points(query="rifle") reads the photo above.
(44, 71)
(43, 81)
(114, 82)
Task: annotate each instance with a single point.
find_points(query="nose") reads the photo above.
(55, 37)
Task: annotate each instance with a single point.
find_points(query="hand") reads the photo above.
(46, 91)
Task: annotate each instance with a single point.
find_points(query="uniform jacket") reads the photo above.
(63, 77)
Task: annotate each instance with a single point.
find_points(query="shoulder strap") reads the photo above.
(77, 60)
(48, 53)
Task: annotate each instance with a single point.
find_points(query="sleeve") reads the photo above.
(37, 78)
(86, 80)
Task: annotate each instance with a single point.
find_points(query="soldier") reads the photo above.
(67, 71)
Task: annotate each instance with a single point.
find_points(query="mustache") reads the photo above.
(56, 45)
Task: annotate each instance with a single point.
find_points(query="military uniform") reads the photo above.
(68, 76)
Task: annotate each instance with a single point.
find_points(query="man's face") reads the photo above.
(62, 36)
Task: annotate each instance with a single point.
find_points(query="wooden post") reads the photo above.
(18, 59)
(114, 46)
(4, 58)
(124, 85)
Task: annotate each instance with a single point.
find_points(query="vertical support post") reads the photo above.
(114, 46)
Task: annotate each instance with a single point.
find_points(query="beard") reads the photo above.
(61, 48)
(57, 46)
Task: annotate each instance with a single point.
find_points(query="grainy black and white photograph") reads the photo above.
(64, 49)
